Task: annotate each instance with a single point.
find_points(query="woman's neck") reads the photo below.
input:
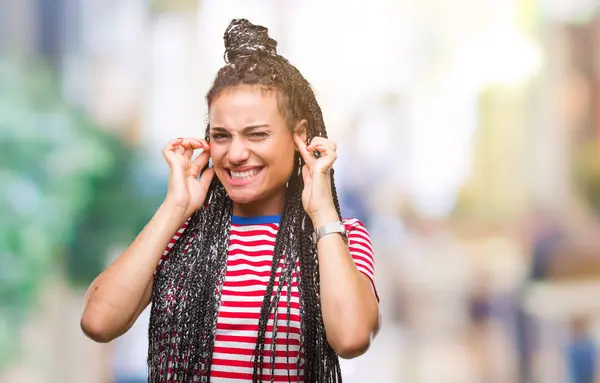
(268, 206)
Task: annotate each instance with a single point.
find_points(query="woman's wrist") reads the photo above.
(324, 216)
(174, 211)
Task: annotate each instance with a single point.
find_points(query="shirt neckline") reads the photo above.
(259, 220)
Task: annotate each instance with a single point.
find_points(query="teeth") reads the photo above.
(243, 175)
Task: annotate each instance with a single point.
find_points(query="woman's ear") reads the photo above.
(301, 130)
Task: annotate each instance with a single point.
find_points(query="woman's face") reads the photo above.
(252, 148)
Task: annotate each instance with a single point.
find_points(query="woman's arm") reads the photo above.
(349, 305)
(348, 302)
(117, 297)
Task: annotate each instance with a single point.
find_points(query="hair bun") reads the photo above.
(242, 38)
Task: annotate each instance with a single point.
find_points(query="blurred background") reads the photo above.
(469, 137)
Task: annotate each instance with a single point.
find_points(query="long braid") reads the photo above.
(189, 301)
(187, 291)
(255, 63)
(280, 242)
(289, 266)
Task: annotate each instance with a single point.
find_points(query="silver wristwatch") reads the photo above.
(333, 227)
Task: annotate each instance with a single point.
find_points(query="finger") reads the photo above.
(195, 143)
(308, 157)
(316, 141)
(188, 148)
(190, 144)
(328, 157)
(327, 150)
(201, 159)
(170, 146)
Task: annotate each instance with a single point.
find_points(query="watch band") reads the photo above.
(333, 227)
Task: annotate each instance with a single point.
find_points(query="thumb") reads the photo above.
(205, 179)
(200, 161)
(306, 177)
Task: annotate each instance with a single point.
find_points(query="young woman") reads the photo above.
(261, 279)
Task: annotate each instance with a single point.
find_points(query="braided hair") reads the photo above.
(187, 290)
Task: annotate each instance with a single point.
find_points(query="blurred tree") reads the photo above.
(69, 193)
(165, 6)
(586, 173)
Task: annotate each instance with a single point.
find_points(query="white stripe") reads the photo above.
(240, 267)
(252, 238)
(254, 288)
(252, 333)
(251, 248)
(250, 228)
(359, 261)
(247, 321)
(226, 380)
(248, 370)
(251, 310)
(361, 266)
(359, 239)
(228, 297)
(235, 369)
(232, 299)
(249, 358)
(250, 259)
(256, 279)
(357, 245)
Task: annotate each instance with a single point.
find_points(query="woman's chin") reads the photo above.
(243, 197)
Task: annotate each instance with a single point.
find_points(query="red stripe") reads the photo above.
(358, 252)
(243, 233)
(364, 259)
(246, 363)
(254, 293)
(357, 244)
(251, 282)
(248, 377)
(252, 340)
(252, 253)
(255, 304)
(242, 273)
(256, 316)
(254, 327)
(245, 262)
(358, 231)
(260, 242)
(248, 351)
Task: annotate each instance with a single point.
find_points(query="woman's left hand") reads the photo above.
(317, 198)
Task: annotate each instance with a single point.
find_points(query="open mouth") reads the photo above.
(239, 178)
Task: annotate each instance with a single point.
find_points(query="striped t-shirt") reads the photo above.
(248, 270)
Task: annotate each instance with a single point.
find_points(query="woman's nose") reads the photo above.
(238, 152)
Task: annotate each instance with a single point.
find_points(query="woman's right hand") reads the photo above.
(185, 190)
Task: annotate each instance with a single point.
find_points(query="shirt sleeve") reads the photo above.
(166, 255)
(361, 249)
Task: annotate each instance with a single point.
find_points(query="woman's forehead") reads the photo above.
(244, 104)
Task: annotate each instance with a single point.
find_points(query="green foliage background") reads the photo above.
(70, 191)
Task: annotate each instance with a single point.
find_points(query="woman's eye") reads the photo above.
(258, 135)
(219, 136)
